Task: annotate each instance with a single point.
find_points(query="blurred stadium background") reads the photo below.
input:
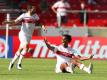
(88, 36)
(96, 21)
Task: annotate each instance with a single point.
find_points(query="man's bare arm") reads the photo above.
(53, 9)
(83, 58)
(48, 45)
(11, 22)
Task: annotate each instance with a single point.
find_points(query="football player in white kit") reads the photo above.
(60, 8)
(29, 19)
(68, 57)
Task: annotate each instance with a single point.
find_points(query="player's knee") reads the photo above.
(63, 67)
(75, 62)
(23, 52)
(26, 47)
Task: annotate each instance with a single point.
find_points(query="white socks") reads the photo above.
(82, 67)
(20, 59)
(86, 69)
(15, 57)
(21, 56)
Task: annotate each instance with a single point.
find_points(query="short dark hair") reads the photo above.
(29, 6)
(67, 36)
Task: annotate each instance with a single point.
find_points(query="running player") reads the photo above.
(29, 19)
(67, 57)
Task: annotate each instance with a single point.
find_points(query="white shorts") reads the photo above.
(57, 69)
(24, 39)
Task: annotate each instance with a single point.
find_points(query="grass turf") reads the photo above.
(43, 69)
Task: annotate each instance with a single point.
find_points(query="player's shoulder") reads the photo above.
(67, 3)
(58, 2)
(60, 45)
(70, 48)
(23, 14)
(55, 45)
(36, 14)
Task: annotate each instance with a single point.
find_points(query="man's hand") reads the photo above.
(91, 57)
(9, 22)
(44, 28)
(5, 22)
(84, 58)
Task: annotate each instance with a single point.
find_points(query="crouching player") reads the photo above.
(67, 57)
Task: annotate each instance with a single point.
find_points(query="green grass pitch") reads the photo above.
(43, 69)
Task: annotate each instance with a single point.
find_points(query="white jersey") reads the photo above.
(28, 23)
(61, 8)
(62, 59)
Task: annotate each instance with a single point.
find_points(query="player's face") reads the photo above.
(65, 41)
(33, 10)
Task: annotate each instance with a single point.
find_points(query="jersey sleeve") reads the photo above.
(75, 52)
(68, 5)
(37, 17)
(20, 18)
(55, 48)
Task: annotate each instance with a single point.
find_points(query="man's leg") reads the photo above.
(24, 51)
(83, 67)
(14, 58)
(64, 19)
(66, 68)
(59, 21)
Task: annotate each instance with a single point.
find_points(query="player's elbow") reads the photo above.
(52, 8)
(79, 58)
(15, 22)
